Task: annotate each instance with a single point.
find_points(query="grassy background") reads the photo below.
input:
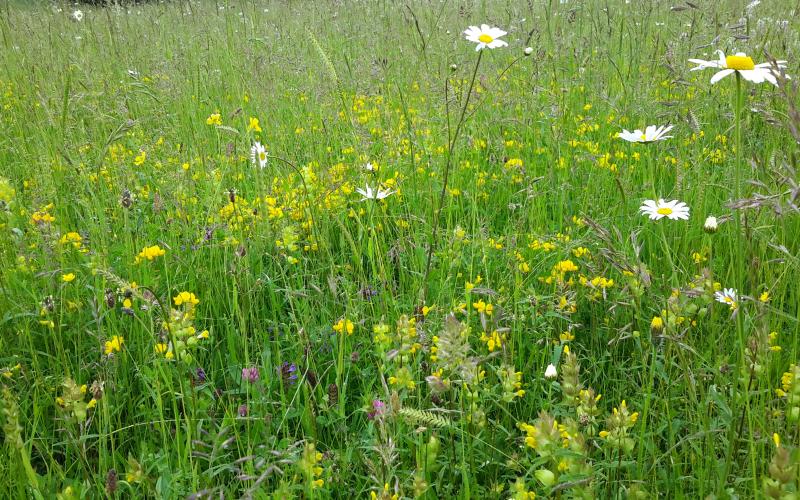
(336, 85)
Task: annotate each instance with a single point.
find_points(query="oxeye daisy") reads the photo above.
(650, 134)
(485, 36)
(672, 210)
(728, 296)
(368, 194)
(743, 65)
(258, 155)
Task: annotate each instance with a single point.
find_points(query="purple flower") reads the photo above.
(378, 409)
(200, 375)
(243, 411)
(289, 373)
(250, 374)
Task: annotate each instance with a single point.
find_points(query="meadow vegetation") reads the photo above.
(329, 249)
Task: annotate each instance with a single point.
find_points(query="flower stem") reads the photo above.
(440, 203)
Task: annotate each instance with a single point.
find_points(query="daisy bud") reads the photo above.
(711, 225)
(551, 371)
(453, 67)
(528, 51)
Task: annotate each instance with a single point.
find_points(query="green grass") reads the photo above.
(366, 383)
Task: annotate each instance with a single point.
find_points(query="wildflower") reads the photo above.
(545, 476)
(727, 296)
(150, 253)
(369, 194)
(743, 65)
(250, 374)
(672, 210)
(618, 425)
(135, 472)
(528, 51)
(309, 465)
(258, 155)
(483, 308)
(67, 278)
(164, 350)
(650, 134)
(242, 411)
(520, 492)
(344, 325)
(764, 297)
(485, 37)
(288, 372)
(710, 225)
(550, 371)
(77, 15)
(186, 298)
(378, 409)
(214, 119)
(253, 125)
(657, 324)
(113, 345)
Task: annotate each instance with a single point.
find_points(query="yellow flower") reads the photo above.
(114, 345)
(344, 325)
(150, 253)
(140, 158)
(214, 119)
(657, 324)
(253, 125)
(186, 298)
(483, 307)
(66, 278)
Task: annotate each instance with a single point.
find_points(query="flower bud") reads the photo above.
(528, 51)
(711, 225)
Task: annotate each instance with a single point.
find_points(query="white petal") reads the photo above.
(720, 75)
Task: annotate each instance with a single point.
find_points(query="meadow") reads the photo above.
(386, 250)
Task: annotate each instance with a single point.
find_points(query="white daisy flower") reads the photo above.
(485, 36)
(258, 155)
(743, 64)
(728, 296)
(672, 210)
(369, 194)
(650, 134)
(77, 15)
(551, 371)
(369, 167)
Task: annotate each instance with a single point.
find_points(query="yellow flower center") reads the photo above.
(262, 156)
(485, 38)
(739, 62)
(665, 211)
(644, 137)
